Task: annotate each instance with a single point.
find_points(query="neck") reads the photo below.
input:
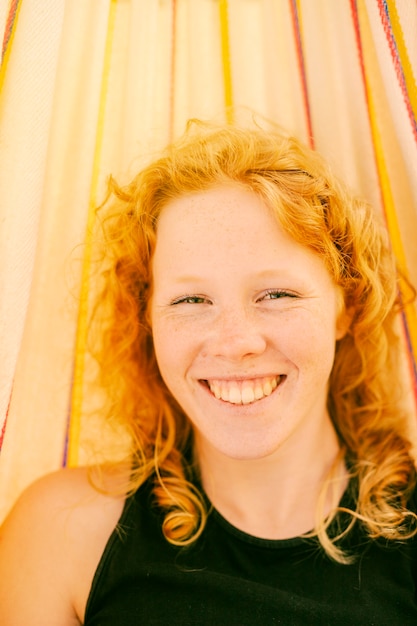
(275, 497)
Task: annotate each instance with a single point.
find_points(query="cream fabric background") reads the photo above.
(93, 87)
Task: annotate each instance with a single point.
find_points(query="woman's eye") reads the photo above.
(189, 300)
(275, 294)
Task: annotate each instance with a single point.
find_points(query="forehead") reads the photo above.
(221, 215)
(229, 232)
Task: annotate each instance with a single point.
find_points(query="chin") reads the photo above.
(242, 450)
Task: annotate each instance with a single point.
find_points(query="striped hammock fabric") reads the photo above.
(93, 88)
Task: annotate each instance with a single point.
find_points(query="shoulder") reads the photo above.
(50, 546)
(63, 500)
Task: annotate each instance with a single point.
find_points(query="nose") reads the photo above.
(236, 335)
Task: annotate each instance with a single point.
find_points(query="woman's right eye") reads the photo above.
(190, 300)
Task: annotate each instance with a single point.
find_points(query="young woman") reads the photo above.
(248, 346)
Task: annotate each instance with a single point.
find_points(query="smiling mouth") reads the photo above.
(243, 391)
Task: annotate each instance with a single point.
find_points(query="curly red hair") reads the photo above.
(317, 211)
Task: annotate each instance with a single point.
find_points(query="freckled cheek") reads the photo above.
(175, 348)
(309, 347)
(320, 356)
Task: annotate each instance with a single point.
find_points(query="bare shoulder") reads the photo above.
(50, 546)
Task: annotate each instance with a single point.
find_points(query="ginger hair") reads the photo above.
(317, 211)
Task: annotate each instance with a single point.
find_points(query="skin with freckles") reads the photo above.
(245, 322)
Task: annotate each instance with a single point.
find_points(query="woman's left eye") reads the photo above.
(276, 294)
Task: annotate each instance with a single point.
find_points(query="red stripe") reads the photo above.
(358, 38)
(3, 430)
(302, 69)
(384, 13)
(355, 18)
(10, 22)
(411, 360)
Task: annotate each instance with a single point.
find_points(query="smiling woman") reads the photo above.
(264, 319)
(247, 344)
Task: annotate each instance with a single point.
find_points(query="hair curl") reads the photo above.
(317, 211)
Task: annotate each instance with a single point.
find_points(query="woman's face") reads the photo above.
(244, 323)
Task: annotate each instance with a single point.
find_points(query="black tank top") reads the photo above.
(230, 578)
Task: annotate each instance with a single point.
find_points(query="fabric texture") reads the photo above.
(89, 89)
(229, 577)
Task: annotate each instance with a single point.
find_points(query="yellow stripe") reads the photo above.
(5, 59)
(82, 324)
(227, 72)
(388, 200)
(410, 79)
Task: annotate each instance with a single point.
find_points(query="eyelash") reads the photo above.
(189, 300)
(277, 293)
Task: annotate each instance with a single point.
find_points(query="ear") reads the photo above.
(344, 321)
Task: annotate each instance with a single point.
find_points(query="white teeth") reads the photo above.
(243, 392)
(248, 395)
(216, 390)
(267, 387)
(258, 391)
(235, 397)
(224, 394)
